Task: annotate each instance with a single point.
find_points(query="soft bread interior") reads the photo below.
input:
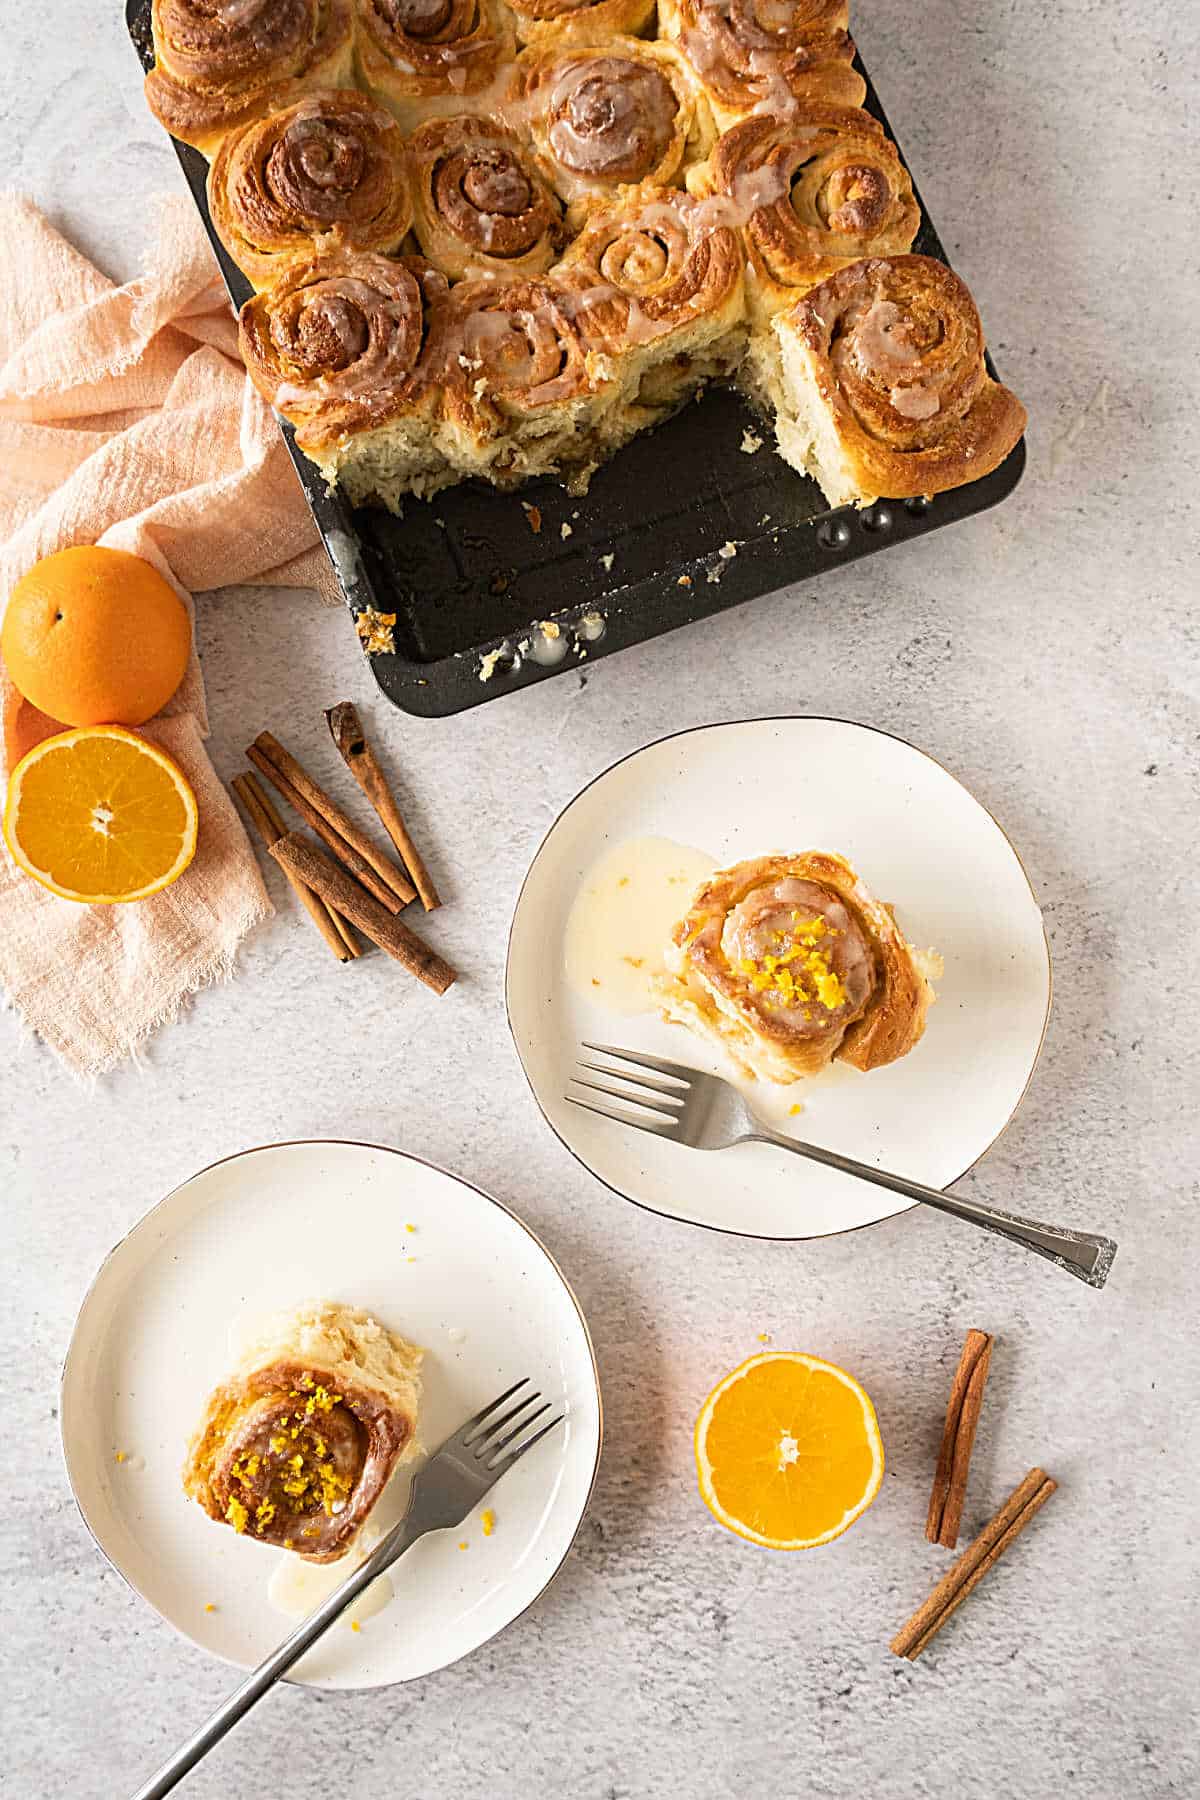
(805, 429)
(688, 1000)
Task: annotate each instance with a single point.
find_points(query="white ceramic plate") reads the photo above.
(920, 842)
(327, 1220)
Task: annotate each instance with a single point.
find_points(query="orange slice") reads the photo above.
(788, 1451)
(99, 815)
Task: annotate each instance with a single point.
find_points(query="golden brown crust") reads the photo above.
(607, 115)
(297, 1446)
(480, 202)
(327, 173)
(426, 58)
(893, 351)
(648, 267)
(792, 963)
(813, 189)
(339, 343)
(580, 21)
(753, 55)
(219, 65)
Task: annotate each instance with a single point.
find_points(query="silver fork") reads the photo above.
(706, 1113)
(444, 1490)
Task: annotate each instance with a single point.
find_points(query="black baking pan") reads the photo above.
(484, 604)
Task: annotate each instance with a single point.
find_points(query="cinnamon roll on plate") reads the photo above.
(326, 173)
(789, 963)
(296, 1446)
(878, 383)
(760, 55)
(200, 1351)
(219, 63)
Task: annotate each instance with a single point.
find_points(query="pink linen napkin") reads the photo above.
(127, 419)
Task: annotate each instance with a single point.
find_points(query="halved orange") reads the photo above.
(99, 815)
(788, 1451)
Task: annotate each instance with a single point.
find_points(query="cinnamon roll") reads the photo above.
(608, 115)
(522, 392)
(480, 202)
(219, 63)
(789, 963)
(585, 21)
(326, 173)
(760, 55)
(881, 387)
(660, 287)
(340, 346)
(814, 188)
(427, 58)
(295, 1448)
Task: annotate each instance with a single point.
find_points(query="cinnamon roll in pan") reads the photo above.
(481, 204)
(659, 290)
(760, 55)
(220, 63)
(812, 188)
(296, 1446)
(326, 173)
(880, 387)
(427, 58)
(341, 347)
(609, 115)
(583, 21)
(523, 394)
(789, 963)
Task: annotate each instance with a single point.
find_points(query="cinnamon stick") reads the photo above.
(345, 728)
(266, 821)
(958, 1440)
(1001, 1531)
(336, 888)
(377, 872)
(272, 828)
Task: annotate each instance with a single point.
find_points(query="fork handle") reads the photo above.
(279, 1662)
(1081, 1253)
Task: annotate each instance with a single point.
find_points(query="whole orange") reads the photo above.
(96, 637)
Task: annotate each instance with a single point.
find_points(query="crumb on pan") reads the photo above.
(375, 630)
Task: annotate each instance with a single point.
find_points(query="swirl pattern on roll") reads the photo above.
(815, 188)
(591, 21)
(791, 962)
(296, 1446)
(755, 55)
(337, 344)
(607, 115)
(425, 58)
(324, 174)
(510, 347)
(647, 266)
(891, 352)
(480, 202)
(219, 63)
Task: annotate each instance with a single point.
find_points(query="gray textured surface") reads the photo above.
(1047, 654)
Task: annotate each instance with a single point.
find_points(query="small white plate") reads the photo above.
(327, 1220)
(919, 841)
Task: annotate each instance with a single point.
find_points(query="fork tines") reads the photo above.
(483, 1439)
(660, 1100)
